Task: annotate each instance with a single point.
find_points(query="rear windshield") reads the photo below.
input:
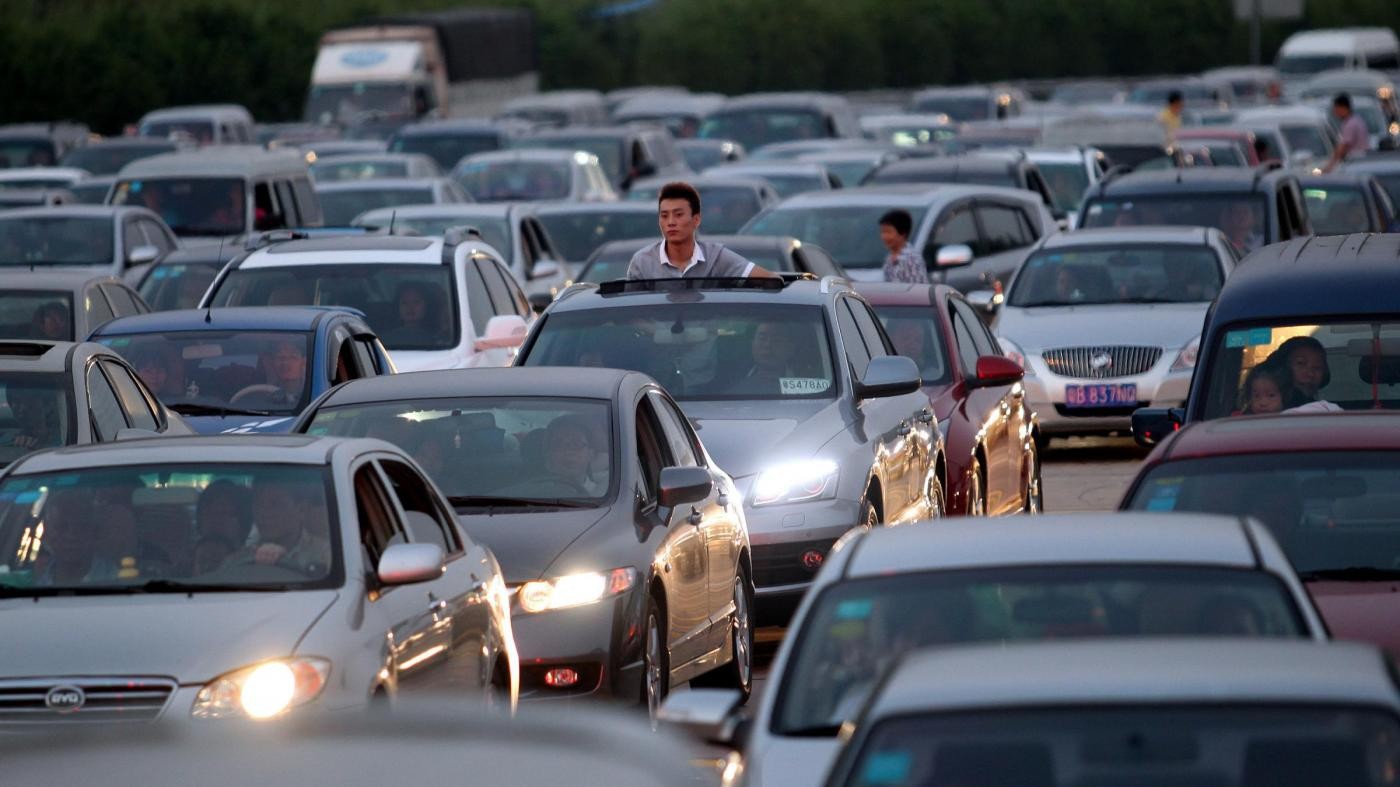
(191, 206)
(1240, 216)
(446, 150)
(1296, 65)
(1130, 274)
(1338, 210)
(26, 153)
(1067, 182)
(36, 314)
(754, 128)
(109, 159)
(36, 412)
(339, 208)
(202, 372)
(510, 181)
(172, 286)
(56, 240)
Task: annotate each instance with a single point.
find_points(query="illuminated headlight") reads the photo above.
(262, 691)
(1013, 351)
(1186, 359)
(575, 590)
(796, 482)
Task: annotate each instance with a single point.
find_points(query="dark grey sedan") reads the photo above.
(116, 240)
(61, 306)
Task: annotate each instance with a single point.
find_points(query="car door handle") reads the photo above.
(926, 416)
(723, 501)
(477, 586)
(905, 429)
(436, 605)
(695, 517)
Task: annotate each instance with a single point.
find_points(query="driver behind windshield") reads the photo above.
(69, 555)
(37, 415)
(285, 366)
(570, 453)
(289, 520)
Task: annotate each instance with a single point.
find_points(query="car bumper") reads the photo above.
(601, 642)
(1045, 395)
(788, 543)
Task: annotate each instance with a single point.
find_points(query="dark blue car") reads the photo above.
(246, 369)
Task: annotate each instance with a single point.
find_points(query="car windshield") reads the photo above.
(856, 629)
(1003, 178)
(1239, 216)
(1207, 745)
(1121, 274)
(701, 157)
(340, 207)
(731, 351)
(332, 169)
(204, 372)
(201, 131)
(46, 315)
(56, 240)
(1294, 65)
(36, 412)
(90, 192)
(358, 102)
(725, 209)
(26, 153)
(911, 134)
(172, 286)
(191, 206)
(1309, 138)
(493, 451)
(154, 528)
(513, 181)
(413, 307)
(958, 108)
(607, 149)
(1268, 368)
(916, 334)
(495, 231)
(1067, 181)
(1331, 512)
(754, 128)
(1337, 210)
(446, 150)
(843, 230)
(109, 159)
(577, 234)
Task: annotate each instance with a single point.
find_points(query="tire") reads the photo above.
(1035, 502)
(738, 672)
(869, 515)
(656, 667)
(976, 491)
(937, 499)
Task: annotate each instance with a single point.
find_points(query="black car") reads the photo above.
(61, 305)
(623, 543)
(776, 253)
(1012, 171)
(1253, 207)
(450, 141)
(625, 153)
(1342, 203)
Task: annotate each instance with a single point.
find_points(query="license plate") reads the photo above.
(1102, 395)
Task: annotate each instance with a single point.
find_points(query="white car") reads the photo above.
(40, 177)
(436, 303)
(1069, 172)
(534, 175)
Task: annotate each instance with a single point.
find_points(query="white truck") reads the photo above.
(375, 76)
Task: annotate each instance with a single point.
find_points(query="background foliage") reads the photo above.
(108, 61)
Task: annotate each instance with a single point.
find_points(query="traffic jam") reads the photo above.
(657, 437)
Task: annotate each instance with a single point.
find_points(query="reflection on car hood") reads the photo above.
(192, 638)
(744, 437)
(240, 424)
(1167, 325)
(525, 540)
(1364, 611)
(783, 761)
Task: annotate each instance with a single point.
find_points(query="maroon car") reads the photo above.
(989, 433)
(1327, 485)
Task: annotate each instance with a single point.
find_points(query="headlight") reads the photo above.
(796, 482)
(262, 691)
(1186, 359)
(1013, 351)
(575, 590)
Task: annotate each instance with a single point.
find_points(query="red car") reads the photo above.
(989, 433)
(1327, 485)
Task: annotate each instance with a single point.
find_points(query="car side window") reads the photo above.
(967, 343)
(287, 203)
(522, 303)
(131, 238)
(982, 339)
(501, 300)
(267, 212)
(956, 227)
(1002, 228)
(344, 363)
(517, 303)
(98, 309)
(415, 496)
(529, 252)
(678, 437)
(478, 300)
(107, 417)
(856, 352)
(379, 526)
(650, 456)
(122, 300)
(1285, 221)
(543, 241)
(157, 236)
(140, 411)
(365, 356)
(308, 207)
(875, 339)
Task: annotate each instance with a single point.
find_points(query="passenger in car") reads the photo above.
(223, 513)
(773, 350)
(1230, 614)
(68, 554)
(37, 416)
(1263, 391)
(569, 454)
(1303, 360)
(419, 315)
(51, 322)
(283, 514)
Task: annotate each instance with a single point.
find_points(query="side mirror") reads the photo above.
(142, 255)
(503, 330)
(888, 375)
(545, 269)
(539, 301)
(995, 370)
(709, 715)
(953, 255)
(1151, 425)
(406, 564)
(681, 485)
(984, 300)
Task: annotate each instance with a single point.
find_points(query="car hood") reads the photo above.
(1364, 611)
(527, 541)
(192, 638)
(1166, 325)
(240, 424)
(744, 437)
(784, 761)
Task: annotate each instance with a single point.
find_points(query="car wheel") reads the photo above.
(976, 498)
(738, 673)
(869, 516)
(1034, 503)
(656, 671)
(937, 500)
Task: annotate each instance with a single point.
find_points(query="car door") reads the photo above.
(984, 405)
(501, 302)
(879, 419)
(718, 529)
(955, 226)
(912, 452)
(681, 559)
(1011, 412)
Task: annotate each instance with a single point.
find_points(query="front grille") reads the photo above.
(29, 701)
(1101, 363)
(781, 564)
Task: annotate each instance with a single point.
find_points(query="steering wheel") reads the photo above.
(255, 388)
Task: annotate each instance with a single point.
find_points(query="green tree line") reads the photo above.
(105, 62)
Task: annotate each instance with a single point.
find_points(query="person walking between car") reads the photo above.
(1170, 116)
(1355, 138)
(903, 264)
(679, 255)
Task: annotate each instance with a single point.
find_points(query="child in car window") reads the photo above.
(1264, 389)
(1304, 362)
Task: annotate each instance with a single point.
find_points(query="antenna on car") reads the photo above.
(209, 310)
(394, 214)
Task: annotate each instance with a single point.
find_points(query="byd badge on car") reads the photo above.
(65, 699)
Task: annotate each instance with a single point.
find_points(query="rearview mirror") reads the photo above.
(406, 564)
(142, 255)
(545, 269)
(953, 255)
(502, 331)
(1152, 424)
(681, 485)
(710, 715)
(888, 375)
(994, 370)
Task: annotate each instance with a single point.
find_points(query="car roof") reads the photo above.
(75, 211)
(569, 208)
(19, 277)
(921, 194)
(191, 110)
(374, 184)
(1190, 180)
(27, 355)
(369, 249)
(774, 166)
(586, 296)
(522, 154)
(975, 163)
(1121, 236)
(892, 293)
(782, 100)
(541, 381)
(1355, 274)
(1286, 432)
(1056, 539)
(262, 448)
(1137, 670)
(219, 161)
(449, 126)
(233, 318)
(668, 103)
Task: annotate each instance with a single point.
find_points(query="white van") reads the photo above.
(203, 124)
(1312, 51)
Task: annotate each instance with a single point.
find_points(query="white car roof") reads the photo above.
(372, 250)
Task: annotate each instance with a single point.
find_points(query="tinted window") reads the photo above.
(338, 208)
(980, 337)
(415, 497)
(502, 300)
(917, 335)
(157, 235)
(1338, 210)
(577, 234)
(134, 404)
(1126, 274)
(957, 227)
(36, 411)
(1004, 227)
(379, 524)
(964, 335)
(478, 299)
(190, 206)
(844, 231)
(683, 451)
(60, 240)
(123, 304)
(1066, 182)
(509, 181)
(36, 314)
(349, 168)
(107, 415)
(446, 151)
(875, 340)
(177, 286)
(607, 149)
(1242, 217)
(856, 352)
(98, 310)
(754, 128)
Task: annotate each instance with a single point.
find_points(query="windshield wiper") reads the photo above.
(193, 408)
(487, 501)
(815, 731)
(1351, 574)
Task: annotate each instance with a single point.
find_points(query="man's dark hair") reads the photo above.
(680, 190)
(1261, 147)
(902, 222)
(1174, 97)
(1342, 100)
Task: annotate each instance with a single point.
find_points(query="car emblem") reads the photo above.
(812, 559)
(1101, 362)
(65, 699)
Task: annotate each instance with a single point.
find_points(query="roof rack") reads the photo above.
(262, 240)
(622, 286)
